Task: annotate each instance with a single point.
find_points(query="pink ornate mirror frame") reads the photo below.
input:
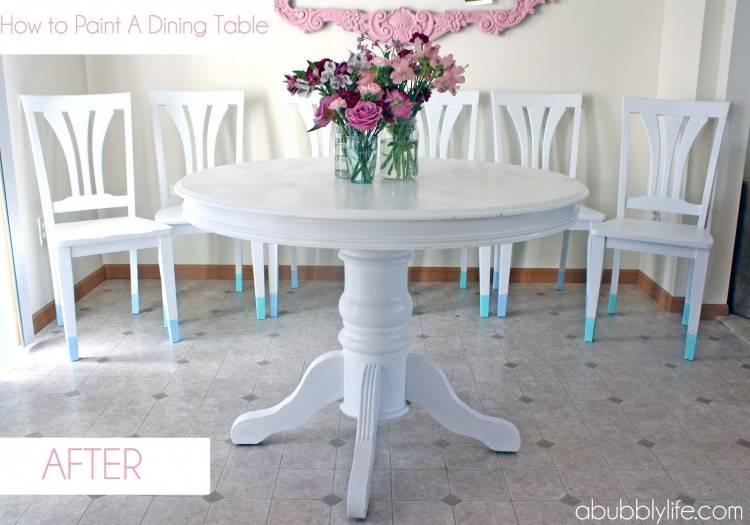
(401, 23)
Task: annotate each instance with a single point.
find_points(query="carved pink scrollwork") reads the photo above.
(401, 23)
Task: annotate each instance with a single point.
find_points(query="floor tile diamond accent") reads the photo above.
(95, 496)
(614, 399)
(423, 336)
(714, 338)
(250, 397)
(545, 443)
(331, 500)
(684, 498)
(498, 337)
(126, 332)
(337, 443)
(703, 400)
(215, 311)
(670, 365)
(264, 363)
(592, 365)
(743, 443)
(160, 395)
(646, 443)
(570, 501)
(526, 399)
(213, 497)
(200, 334)
(571, 336)
(72, 393)
(182, 361)
(441, 443)
(274, 334)
(34, 435)
(103, 360)
(746, 366)
(451, 500)
(511, 365)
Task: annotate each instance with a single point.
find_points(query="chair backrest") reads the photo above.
(441, 114)
(304, 107)
(80, 123)
(536, 118)
(672, 128)
(198, 116)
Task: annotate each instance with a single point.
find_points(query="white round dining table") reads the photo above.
(452, 204)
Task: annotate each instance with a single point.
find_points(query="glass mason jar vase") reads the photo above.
(399, 148)
(340, 166)
(361, 156)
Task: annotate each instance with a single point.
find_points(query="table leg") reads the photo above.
(428, 387)
(321, 385)
(374, 374)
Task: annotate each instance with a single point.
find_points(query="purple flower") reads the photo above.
(364, 116)
(327, 109)
(419, 36)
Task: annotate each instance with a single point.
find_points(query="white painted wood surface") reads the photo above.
(198, 117)
(455, 204)
(536, 119)
(672, 129)
(80, 124)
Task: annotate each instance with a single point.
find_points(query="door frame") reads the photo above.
(9, 191)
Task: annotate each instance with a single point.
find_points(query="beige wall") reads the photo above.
(605, 50)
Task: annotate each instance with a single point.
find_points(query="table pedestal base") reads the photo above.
(375, 376)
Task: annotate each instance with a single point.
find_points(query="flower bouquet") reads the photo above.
(381, 87)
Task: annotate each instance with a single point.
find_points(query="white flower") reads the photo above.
(329, 71)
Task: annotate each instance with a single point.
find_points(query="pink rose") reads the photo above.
(364, 116)
(400, 104)
(327, 109)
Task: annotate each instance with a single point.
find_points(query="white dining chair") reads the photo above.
(319, 141)
(199, 117)
(672, 128)
(438, 130)
(536, 119)
(80, 124)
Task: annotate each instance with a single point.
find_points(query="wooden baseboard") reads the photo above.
(46, 314)
(675, 305)
(670, 303)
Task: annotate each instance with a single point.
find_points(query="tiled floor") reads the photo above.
(623, 418)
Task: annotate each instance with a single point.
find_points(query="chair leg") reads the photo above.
(686, 307)
(563, 260)
(169, 288)
(593, 284)
(485, 254)
(135, 302)
(68, 301)
(464, 267)
(295, 270)
(506, 257)
(259, 279)
(273, 278)
(496, 268)
(54, 270)
(238, 276)
(616, 262)
(697, 285)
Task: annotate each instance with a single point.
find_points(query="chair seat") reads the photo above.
(101, 230)
(171, 215)
(683, 235)
(590, 214)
